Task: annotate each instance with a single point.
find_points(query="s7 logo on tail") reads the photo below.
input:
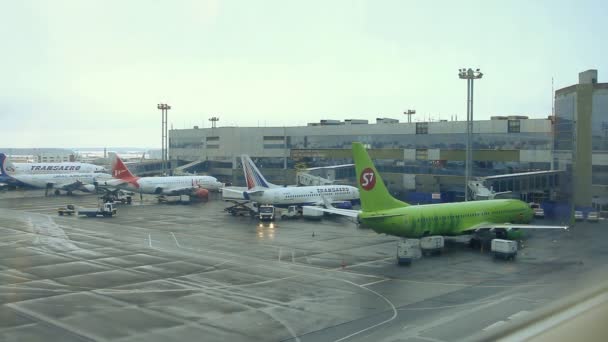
(367, 179)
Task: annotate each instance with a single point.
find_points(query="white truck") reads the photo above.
(121, 196)
(432, 245)
(538, 211)
(592, 216)
(292, 211)
(408, 250)
(106, 210)
(266, 212)
(69, 209)
(505, 249)
(311, 213)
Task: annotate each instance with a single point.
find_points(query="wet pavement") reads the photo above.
(163, 272)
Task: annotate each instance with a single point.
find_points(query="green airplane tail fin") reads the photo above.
(374, 194)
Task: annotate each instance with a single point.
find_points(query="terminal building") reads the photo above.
(581, 140)
(426, 157)
(423, 162)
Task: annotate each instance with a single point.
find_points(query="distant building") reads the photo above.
(55, 157)
(417, 156)
(581, 140)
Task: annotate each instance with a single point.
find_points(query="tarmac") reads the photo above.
(171, 272)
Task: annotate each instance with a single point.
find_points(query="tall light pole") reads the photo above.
(214, 121)
(164, 109)
(409, 114)
(470, 76)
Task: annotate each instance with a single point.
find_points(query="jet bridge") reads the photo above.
(528, 186)
(324, 175)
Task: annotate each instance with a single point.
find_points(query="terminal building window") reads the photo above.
(422, 128)
(422, 154)
(514, 126)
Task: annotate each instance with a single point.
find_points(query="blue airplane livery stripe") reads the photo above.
(258, 179)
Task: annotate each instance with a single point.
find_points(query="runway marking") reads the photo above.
(429, 339)
(14, 242)
(494, 325)
(553, 320)
(535, 301)
(375, 282)
(364, 263)
(149, 240)
(176, 242)
(415, 332)
(445, 306)
(375, 325)
(469, 285)
(521, 313)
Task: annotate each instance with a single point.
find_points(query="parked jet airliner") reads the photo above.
(67, 182)
(386, 214)
(262, 191)
(42, 168)
(193, 186)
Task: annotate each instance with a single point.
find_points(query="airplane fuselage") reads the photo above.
(164, 185)
(305, 195)
(54, 168)
(59, 180)
(446, 219)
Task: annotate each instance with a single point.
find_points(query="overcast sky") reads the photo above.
(90, 73)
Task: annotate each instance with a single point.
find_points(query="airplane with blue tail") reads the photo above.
(262, 191)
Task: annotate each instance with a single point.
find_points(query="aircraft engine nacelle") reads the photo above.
(343, 205)
(515, 234)
(201, 194)
(88, 188)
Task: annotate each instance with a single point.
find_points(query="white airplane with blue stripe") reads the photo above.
(262, 191)
(67, 182)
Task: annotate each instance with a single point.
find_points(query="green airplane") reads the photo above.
(385, 214)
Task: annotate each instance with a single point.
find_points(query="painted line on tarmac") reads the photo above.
(521, 313)
(375, 282)
(469, 285)
(150, 240)
(445, 306)
(494, 325)
(415, 331)
(176, 242)
(377, 324)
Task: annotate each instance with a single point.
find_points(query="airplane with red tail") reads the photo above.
(197, 187)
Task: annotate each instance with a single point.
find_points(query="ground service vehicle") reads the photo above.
(408, 250)
(291, 212)
(266, 212)
(506, 249)
(592, 216)
(119, 196)
(67, 210)
(432, 244)
(578, 215)
(106, 210)
(538, 211)
(311, 214)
